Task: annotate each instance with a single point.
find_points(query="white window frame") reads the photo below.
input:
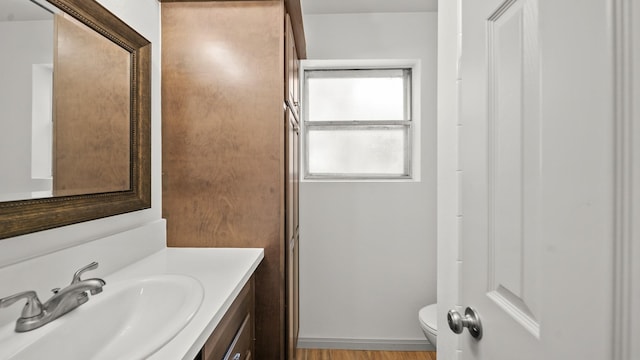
(413, 153)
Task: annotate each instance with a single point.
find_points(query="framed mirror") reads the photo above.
(75, 114)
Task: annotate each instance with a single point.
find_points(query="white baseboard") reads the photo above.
(365, 344)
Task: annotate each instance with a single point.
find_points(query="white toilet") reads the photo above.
(428, 316)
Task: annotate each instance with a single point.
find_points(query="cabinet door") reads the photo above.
(292, 86)
(293, 173)
(296, 234)
(296, 176)
(290, 176)
(292, 230)
(236, 331)
(295, 77)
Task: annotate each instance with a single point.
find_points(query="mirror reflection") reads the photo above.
(65, 109)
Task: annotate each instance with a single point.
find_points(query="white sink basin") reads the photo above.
(130, 319)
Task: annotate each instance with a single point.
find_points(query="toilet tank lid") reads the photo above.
(429, 316)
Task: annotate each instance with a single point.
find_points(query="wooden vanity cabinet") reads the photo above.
(227, 86)
(234, 337)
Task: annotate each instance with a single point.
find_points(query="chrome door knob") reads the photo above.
(471, 320)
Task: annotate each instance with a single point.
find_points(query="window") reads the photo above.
(358, 123)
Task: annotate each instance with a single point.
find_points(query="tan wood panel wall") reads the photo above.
(223, 140)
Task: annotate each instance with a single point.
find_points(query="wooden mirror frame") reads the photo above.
(28, 216)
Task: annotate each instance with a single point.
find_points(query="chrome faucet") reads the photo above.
(35, 314)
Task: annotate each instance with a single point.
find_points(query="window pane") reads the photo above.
(357, 95)
(368, 151)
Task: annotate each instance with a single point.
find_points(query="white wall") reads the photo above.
(368, 250)
(23, 43)
(144, 17)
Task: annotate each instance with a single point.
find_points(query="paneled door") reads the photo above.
(537, 179)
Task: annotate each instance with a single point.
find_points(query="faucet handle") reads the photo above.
(32, 308)
(76, 276)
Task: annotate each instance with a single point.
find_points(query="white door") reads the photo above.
(537, 161)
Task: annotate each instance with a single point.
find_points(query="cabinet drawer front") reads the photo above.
(239, 349)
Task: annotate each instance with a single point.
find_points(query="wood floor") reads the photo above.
(332, 354)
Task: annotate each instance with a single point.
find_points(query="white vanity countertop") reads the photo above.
(222, 271)
(136, 253)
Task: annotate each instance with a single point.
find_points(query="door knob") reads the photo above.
(471, 320)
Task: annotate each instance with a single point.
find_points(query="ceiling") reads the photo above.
(366, 6)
